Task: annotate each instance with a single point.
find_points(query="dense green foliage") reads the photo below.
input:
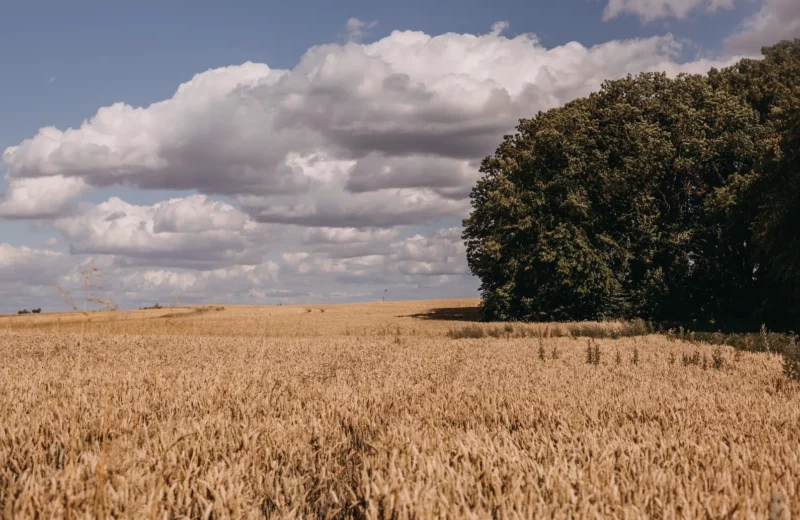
(669, 199)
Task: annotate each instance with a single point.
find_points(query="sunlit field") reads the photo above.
(381, 410)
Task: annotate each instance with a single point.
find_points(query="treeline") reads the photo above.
(663, 199)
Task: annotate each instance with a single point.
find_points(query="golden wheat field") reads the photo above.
(383, 410)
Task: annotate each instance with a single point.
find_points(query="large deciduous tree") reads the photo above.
(654, 197)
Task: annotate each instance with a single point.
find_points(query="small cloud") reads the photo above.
(51, 242)
(51, 80)
(356, 28)
(651, 10)
(498, 28)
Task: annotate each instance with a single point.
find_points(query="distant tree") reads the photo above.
(641, 199)
(23, 311)
(36, 311)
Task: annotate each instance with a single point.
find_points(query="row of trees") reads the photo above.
(667, 199)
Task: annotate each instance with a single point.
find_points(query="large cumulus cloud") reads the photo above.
(389, 131)
(194, 231)
(41, 197)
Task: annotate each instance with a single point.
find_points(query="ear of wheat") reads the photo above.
(92, 281)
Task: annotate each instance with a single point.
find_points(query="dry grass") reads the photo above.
(373, 411)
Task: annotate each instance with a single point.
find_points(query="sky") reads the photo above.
(303, 152)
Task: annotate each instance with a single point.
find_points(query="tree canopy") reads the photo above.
(656, 197)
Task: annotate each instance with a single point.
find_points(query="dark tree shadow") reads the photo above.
(448, 314)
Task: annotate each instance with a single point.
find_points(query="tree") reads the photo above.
(635, 201)
(777, 228)
(772, 87)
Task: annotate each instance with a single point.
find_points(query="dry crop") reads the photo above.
(378, 411)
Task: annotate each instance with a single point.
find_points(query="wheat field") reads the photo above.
(384, 410)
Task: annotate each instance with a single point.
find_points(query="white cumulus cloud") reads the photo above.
(356, 28)
(194, 231)
(351, 129)
(650, 10)
(40, 197)
(776, 20)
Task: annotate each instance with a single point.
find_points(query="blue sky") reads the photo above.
(321, 196)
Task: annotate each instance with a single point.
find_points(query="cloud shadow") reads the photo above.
(448, 314)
